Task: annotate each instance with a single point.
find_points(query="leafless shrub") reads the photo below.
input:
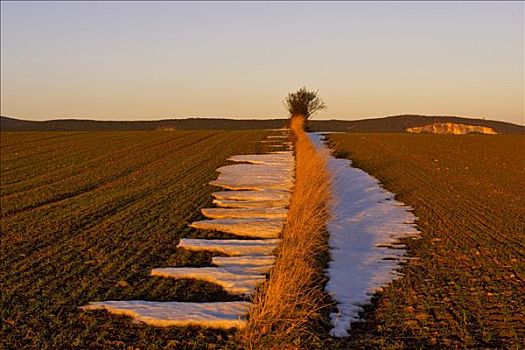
(304, 103)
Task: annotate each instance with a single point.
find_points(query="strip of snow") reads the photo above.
(240, 183)
(275, 158)
(234, 247)
(241, 280)
(262, 195)
(255, 177)
(165, 314)
(253, 227)
(366, 220)
(251, 204)
(249, 171)
(290, 153)
(245, 260)
(244, 213)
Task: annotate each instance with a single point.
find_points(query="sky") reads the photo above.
(156, 60)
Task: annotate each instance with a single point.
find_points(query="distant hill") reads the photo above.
(394, 124)
(12, 124)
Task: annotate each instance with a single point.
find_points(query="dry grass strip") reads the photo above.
(291, 300)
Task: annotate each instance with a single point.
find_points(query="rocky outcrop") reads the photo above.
(451, 128)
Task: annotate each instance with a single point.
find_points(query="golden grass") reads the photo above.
(285, 307)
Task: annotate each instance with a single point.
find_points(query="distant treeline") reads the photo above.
(393, 124)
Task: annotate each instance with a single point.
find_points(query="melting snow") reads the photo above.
(234, 247)
(246, 260)
(237, 182)
(238, 213)
(284, 158)
(253, 227)
(255, 170)
(290, 153)
(263, 195)
(234, 279)
(166, 314)
(251, 204)
(366, 220)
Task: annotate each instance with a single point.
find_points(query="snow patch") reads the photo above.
(263, 195)
(254, 182)
(251, 204)
(234, 247)
(246, 213)
(240, 280)
(255, 177)
(290, 153)
(366, 221)
(165, 314)
(248, 170)
(245, 260)
(253, 227)
(239, 183)
(275, 158)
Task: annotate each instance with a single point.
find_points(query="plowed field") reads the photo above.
(86, 216)
(465, 286)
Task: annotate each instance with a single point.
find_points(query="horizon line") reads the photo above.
(262, 119)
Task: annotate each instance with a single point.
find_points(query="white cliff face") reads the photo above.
(451, 128)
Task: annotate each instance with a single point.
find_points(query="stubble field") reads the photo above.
(86, 216)
(465, 284)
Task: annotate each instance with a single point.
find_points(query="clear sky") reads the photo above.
(154, 60)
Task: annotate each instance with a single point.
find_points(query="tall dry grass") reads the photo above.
(285, 307)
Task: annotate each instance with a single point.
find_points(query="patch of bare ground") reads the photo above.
(464, 286)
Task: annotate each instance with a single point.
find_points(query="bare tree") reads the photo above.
(304, 103)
